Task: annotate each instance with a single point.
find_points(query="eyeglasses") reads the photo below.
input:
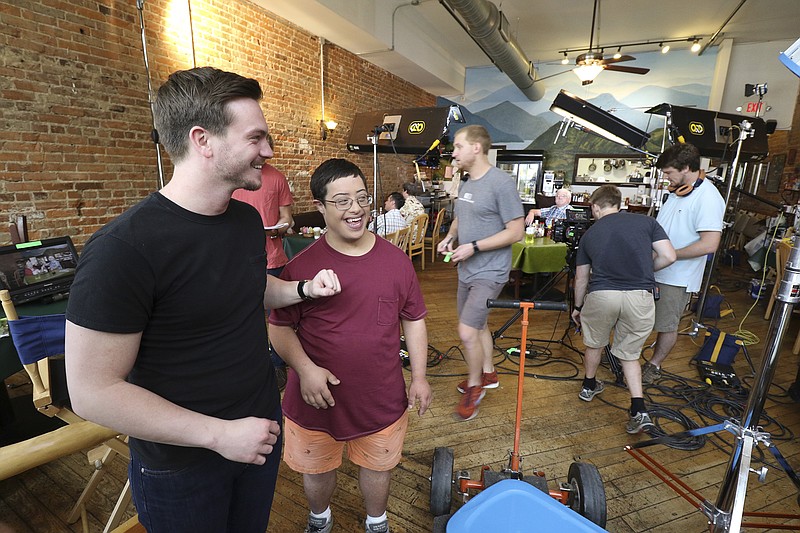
(343, 204)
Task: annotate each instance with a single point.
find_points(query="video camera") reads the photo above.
(571, 229)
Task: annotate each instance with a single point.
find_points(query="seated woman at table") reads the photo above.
(412, 208)
(556, 212)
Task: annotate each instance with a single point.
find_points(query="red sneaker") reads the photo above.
(489, 381)
(468, 406)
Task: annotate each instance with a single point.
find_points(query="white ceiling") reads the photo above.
(419, 40)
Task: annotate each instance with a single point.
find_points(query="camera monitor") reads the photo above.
(38, 269)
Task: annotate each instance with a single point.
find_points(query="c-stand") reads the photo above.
(567, 272)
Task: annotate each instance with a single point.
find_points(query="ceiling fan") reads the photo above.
(593, 63)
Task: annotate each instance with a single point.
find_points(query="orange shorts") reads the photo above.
(315, 452)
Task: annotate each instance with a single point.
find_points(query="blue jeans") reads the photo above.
(273, 355)
(216, 495)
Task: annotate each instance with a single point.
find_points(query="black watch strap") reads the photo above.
(578, 307)
(301, 292)
(475, 247)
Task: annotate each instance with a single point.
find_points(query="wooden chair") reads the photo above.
(76, 436)
(403, 236)
(392, 237)
(782, 250)
(433, 241)
(416, 240)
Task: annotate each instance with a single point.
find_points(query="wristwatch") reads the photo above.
(301, 292)
(578, 308)
(475, 247)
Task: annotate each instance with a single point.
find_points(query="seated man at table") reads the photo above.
(551, 214)
(390, 220)
(620, 293)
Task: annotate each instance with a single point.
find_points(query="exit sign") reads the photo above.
(754, 107)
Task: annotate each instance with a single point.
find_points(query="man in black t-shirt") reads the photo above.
(614, 291)
(165, 337)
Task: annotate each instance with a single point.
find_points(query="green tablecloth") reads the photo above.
(543, 255)
(293, 244)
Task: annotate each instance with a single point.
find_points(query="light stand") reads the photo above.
(745, 130)
(727, 513)
(730, 500)
(373, 138)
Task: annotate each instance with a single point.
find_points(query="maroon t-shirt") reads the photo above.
(355, 335)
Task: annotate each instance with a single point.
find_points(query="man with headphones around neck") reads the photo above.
(692, 217)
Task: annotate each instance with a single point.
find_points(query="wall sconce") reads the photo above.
(326, 126)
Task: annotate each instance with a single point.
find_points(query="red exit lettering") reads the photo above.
(754, 107)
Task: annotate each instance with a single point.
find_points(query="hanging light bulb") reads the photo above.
(664, 48)
(565, 60)
(695, 46)
(619, 53)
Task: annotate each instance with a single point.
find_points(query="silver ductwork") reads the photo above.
(490, 30)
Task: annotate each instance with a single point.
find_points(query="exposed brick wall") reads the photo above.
(75, 148)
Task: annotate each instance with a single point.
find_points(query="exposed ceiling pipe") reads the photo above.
(489, 29)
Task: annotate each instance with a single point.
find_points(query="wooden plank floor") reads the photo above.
(556, 428)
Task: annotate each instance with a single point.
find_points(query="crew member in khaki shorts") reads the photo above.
(614, 285)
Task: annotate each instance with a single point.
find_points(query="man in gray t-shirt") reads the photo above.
(488, 218)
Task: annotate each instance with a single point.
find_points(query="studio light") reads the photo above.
(598, 121)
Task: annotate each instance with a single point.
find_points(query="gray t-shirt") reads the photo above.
(483, 208)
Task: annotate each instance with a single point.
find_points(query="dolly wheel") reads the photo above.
(441, 481)
(587, 496)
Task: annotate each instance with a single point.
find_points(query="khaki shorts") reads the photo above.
(670, 307)
(471, 301)
(315, 452)
(630, 314)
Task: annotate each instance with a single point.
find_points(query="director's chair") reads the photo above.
(40, 344)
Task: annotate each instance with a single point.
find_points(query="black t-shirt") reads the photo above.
(619, 248)
(194, 285)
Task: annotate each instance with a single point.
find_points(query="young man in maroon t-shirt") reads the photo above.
(346, 383)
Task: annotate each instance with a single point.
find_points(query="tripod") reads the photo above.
(567, 272)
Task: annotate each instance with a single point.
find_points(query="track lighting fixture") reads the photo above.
(695, 46)
(664, 48)
(619, 53)
(565, 60)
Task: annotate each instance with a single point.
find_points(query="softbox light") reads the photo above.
(598, 121)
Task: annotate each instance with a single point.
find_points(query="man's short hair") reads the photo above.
(332, 170)
(398, 199)
(680, 156)
(477, 134)
(197, 97)
(607, 195)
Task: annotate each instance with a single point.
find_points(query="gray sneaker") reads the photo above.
(319, 525)
(587, 394)
(650, 373)
(640, 422)
(382, 527)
